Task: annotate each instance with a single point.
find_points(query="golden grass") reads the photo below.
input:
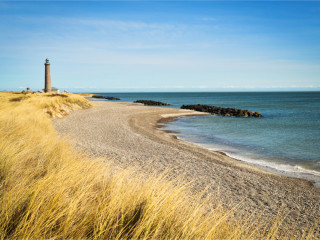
(50, 191)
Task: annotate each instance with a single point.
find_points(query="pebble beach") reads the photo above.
(129, 135)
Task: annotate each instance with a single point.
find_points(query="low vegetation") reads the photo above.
(48, 190)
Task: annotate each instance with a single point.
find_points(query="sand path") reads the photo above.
(127, 134)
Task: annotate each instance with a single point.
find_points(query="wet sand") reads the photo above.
(129, 136)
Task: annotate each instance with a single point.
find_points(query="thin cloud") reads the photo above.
(126, 25)
(208, 19)
(123, 25)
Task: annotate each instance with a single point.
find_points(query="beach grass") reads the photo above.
(51, 191)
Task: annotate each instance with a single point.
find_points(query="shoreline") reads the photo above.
(313, 179)
(130, 136)
(300, 173)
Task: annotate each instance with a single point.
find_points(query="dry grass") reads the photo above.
(50, 191)
(85, 94)
(55, 105)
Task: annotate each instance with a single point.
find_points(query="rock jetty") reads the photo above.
(102, 97)
(152, 103)
(231, 112)
(111, 98)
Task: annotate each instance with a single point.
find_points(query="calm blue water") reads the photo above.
(287, 138)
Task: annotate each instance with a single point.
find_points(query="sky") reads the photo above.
(154, 46)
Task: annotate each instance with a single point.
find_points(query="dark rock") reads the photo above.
(153, 103)
(102, 97)
(111, 98)
(232, 112)
(257, 114)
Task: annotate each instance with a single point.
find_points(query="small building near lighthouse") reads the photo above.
(55, 90)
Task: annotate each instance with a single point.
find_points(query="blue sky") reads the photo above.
(161, 45)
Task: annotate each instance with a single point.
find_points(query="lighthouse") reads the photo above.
(47, 77)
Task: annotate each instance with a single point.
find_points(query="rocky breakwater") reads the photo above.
(102, 97)
(230, 112)
(152, 103)
(111, 98)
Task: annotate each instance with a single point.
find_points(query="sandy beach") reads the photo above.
(129, 135)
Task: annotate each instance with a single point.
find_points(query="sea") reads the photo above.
(285, 141)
